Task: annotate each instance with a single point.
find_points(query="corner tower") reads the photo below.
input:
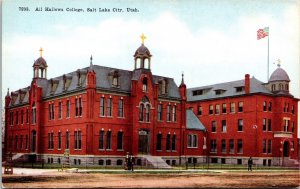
(40, 67)
(142, 56)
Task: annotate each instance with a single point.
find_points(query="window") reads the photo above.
(264, 124)
(76, 107)
(200, 110)
(77, 140)
(168, 142)
(213, 145)
(26, 142)
(293, 109)
(115, 81)
(120, 140)
(231, 146)
(223, 143)
(141, 113)
(174, 118)
(102, 108)
(224, 127)
(163, 87)
(241, 104)
(158, 141)
(192, 141)
(11, 118)
(22, 117)
(169, 113)
(59, 140)
(213, 126)
(145, 85)
(34, 114)
(147, 113)
(68, 109)
(101, 140)
(270, 106)
(51, 111)
(224, 108)
(27, 116)
(21, 141)
(240, 146)
(17, 117)
(198, 92)
(211, 109)
(67, 140)
(269, 125)
(174, 142)
(121, 108)
(59, 110)
(50, 141)
(264, 146)
(284, 107)
(159, 112)
(293, 127)
(286, 125)
(109, 107)
(240, 125)
(108, 140)
(239, 89)
(265, 106)
(269, 146)
(232, 107)
(217, 109)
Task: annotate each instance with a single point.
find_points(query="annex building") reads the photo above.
(101, 113)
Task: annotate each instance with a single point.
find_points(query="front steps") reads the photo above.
(287, 162)
(155, 162)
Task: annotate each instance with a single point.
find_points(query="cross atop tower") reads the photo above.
(143, 37)
(278, 62)
(41, 52)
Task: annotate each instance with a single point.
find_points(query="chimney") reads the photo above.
(247, 84)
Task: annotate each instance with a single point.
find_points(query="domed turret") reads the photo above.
(279, 81)
(142, 56)
(40, 67)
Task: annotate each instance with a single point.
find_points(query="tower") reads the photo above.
(40, 67)
(279, 81)
(142, 56)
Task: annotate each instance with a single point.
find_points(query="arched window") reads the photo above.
(273, 87)
(145, 84)
(280, 86)
(141, 114)
(287, 87)
(33, 113)
(147, 113)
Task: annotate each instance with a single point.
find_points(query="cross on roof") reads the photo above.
(143, 37)
(41, 52)
(278, 62)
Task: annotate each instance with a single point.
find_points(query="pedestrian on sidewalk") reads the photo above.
(250, 163)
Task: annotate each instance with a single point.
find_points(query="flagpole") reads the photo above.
(268, 56)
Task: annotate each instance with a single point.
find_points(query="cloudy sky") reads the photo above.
(211, 41)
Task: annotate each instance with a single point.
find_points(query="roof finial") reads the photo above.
(7, 92)
(143, 37)
(41, 52)
(182, 78)
(278, 62)
(91, 63)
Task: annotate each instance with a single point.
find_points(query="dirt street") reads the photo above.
(156, 180)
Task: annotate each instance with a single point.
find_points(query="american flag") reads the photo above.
(262, 33)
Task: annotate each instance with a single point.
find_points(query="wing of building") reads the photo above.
(99, 114)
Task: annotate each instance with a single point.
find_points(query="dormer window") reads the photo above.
(114, 78)
(239, 89)
(66, 81)
(163, 87)
(80, 76)
(54, 84)
(145, 84)
(197, 92)
(219, 91)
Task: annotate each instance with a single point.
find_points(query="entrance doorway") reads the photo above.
(144, 142)
(286, 148)
(33, 141)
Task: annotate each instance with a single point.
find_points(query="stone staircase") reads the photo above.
(17, 156)
(155, 162)
(287, 162)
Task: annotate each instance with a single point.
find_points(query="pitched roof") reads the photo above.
(228, 89)
(192, 122)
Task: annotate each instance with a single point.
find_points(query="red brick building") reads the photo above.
(248, 118)
(101, 113)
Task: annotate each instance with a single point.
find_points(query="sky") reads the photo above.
(211, 41)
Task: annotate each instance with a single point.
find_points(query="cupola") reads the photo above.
(40, 67)
(142, 56)
(279, 80)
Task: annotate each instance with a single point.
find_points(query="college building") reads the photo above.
(98, 114)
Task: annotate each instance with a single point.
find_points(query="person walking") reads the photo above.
(131, 160)
(250, 163)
